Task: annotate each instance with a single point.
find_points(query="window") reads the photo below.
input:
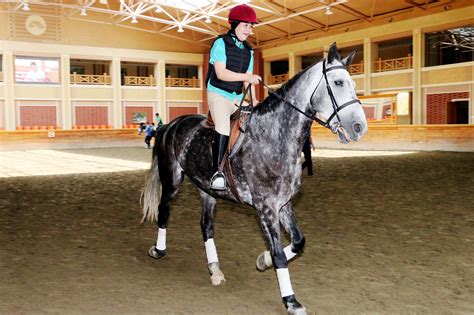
(89, 67)
(181, 71)
(359, 56)
(279, 67)
(309, 60)
(182, 76)
(449, 46)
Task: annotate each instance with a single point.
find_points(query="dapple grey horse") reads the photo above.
(266, 169)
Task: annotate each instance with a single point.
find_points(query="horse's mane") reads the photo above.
(271, 102)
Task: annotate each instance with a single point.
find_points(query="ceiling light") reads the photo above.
(134, 20)
(26, 7)
(83, 12)
(208, 20)
(158, 9)
(103, 1)
(180, 29)
(328, 11)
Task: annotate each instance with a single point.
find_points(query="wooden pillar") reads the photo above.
(9, 83)
(116, 115)
(160, 73)
(267, 72)
(67, 112)
(417, 113)
(258, 69)
(370, 55)
(205, 68)
(294, 64)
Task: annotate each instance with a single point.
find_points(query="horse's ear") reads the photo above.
(348, 60)
(333, 53)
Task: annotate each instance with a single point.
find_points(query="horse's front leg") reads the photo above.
(288, 220)
(207, 228)
(271, 229)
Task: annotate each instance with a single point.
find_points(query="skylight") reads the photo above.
(187, 5)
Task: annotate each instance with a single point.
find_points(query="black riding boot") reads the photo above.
(218, 181)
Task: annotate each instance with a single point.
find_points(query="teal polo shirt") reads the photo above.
(218, 54)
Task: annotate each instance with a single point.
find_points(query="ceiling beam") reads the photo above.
(416, 5)
(345, 8)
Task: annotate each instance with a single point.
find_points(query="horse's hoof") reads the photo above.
(293, 307)
(297, 311)
(217, 277)
(264, 261)
(156, 253)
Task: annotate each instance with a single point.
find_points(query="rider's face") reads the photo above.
(243, 30)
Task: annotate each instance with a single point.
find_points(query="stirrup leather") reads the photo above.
(218, 181)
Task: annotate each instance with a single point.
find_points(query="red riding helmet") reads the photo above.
(243, 13)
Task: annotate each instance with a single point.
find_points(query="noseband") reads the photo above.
(335, 106)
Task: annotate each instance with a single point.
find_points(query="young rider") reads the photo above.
(230, 70)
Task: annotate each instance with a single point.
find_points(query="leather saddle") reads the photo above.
(238, 126)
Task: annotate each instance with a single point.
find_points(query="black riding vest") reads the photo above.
(238, 60)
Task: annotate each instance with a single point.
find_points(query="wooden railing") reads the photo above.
(356, 68)
(93, 79)
(278, 79)
(182, 82)
(393, 64)
(140, 81)
(384, 120)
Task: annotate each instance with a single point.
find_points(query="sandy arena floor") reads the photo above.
(385, 234)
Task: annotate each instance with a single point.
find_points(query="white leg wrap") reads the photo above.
(289, 253)
(211, 251)
(284, 282)
(161, 239)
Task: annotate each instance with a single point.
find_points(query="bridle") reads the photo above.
(336, 108)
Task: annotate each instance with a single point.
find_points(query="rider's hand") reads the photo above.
(253, 78)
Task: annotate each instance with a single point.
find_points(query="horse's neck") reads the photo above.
(283, 125)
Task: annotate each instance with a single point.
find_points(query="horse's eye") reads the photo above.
(338, 83)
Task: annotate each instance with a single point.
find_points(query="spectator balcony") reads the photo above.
(356, 68)
(381, 65)
(278, 79)
(182, 82)
(140, 81)
(91, 79)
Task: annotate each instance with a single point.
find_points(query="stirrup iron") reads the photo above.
(218, 181)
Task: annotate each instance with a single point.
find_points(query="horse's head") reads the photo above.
(335, 100)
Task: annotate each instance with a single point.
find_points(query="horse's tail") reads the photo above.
(151, 193)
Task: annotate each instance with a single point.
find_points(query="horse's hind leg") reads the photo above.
(159, 249)
(207, 228)
(170, 178)
(288, 220)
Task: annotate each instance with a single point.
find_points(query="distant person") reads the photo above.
(307, 146)
(35, 74)
(149, 133)
(141, 128)
(159, 121)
